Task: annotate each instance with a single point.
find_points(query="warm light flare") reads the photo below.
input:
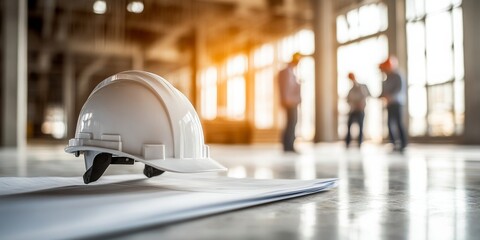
(100, 7)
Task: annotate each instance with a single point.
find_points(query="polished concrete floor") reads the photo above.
(428, 192)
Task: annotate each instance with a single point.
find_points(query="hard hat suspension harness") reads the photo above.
(101, 162)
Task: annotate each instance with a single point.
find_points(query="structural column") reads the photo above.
(397, 42)
(69, 95)
(325, 63)
(396, 31)
(14, 76)
(471, 35)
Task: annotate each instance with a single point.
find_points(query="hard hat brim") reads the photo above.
(185, 165)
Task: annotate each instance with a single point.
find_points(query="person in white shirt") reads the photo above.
(290, 99)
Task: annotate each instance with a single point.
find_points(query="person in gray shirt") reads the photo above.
(357, 99)
(393, 92)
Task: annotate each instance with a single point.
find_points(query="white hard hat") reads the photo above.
(138, 116)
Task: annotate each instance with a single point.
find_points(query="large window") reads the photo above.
(208, 86)
(361, 22)
(236, 91)
(363, 45)
(223, 89)
(435, 67)
(263, 61)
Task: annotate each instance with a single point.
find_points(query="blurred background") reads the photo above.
(224, 55)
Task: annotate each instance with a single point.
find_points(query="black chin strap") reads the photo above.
(100, 164)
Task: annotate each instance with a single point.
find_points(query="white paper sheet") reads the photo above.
(59, 208)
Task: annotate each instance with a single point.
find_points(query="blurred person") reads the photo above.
(393, 93)
(357, 99)
(290, 99)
